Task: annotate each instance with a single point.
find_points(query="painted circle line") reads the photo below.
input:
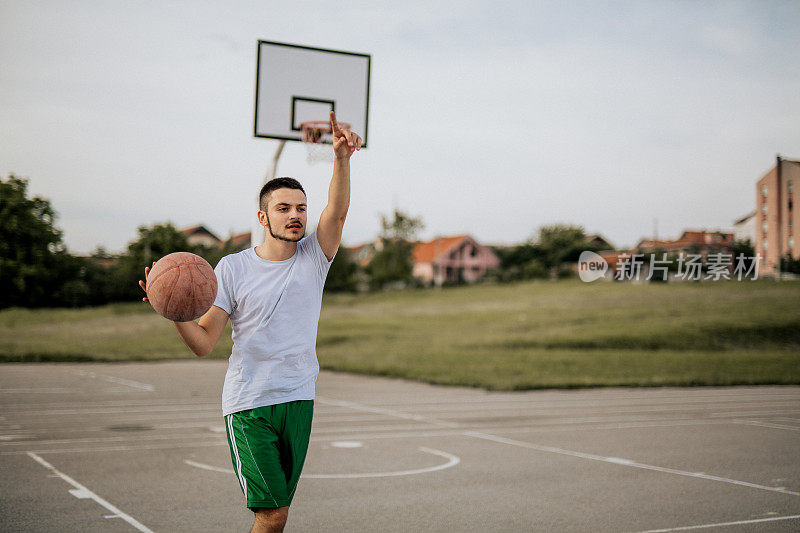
(452, 460)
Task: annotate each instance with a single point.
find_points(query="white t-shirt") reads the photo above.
(274, 311)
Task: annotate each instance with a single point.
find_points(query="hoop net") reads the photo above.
(317, 136)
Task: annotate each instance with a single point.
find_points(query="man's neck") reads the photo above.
(275, 249)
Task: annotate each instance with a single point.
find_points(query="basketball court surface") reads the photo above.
(141, 447)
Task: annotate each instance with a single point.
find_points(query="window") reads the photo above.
(764, 244)
(764, 208)
(764, 226)
(763, 190)
(791, 242)
(789, 186)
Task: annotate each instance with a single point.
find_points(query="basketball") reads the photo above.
(181, 286)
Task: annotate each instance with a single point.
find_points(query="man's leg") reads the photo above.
(268, 449)
(270, 520)
(293, 443)
(256, 460)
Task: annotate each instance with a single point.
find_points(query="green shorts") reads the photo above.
(268, 449)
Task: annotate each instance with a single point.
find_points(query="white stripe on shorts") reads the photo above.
(239, 474)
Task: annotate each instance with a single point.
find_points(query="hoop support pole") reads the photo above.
(256, 229)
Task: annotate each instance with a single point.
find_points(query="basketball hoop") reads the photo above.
(317, 136)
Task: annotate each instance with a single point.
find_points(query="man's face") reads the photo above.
(285, 218)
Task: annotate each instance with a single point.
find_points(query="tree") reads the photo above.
(342, 274)
(523, 261)
(560, 243)
(152, 244)
(392, 264)
(543, 257)
(33, 259)
(747, 250)
(789, 264)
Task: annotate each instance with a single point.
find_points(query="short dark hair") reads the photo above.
(274, 184)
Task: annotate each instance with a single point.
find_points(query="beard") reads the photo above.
(283, 237)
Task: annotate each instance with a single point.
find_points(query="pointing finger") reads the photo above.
(334, 123)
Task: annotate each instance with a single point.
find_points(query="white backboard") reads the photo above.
(296, 83)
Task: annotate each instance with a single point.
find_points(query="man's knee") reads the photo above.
(274, 518)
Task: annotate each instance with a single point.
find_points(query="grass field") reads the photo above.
(519, 336)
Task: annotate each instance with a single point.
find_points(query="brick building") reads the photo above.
(777, 219)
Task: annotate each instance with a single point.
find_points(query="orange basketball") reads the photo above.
(181, 286)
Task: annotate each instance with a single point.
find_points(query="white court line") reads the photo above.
(632, 406)
(452, 461)
(210, 421)
(534, 409)
(140, 409)
(82, 492)
(100, 440)
(569, 424)
(754, 413)
(389, 412)
(765, 424)
(129, 383)
(526, 429)
(121, 381)
(551, 398)
(164, 446)
(340, 429)
(37, 391)
(723, 524)
(132, 402)
(614, 460)
(315, 437)
(625, 462)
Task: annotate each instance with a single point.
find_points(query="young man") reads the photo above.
(272, 294)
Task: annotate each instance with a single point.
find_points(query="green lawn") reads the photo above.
(518, 336)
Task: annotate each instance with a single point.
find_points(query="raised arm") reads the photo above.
(331, 221)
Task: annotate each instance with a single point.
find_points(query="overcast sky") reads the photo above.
(487, 118)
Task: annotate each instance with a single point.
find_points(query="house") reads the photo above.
(201, 236)
(691, 242)
(776, 218)
(363, 253)
(614, 258)
(451, 260)
(745, 228)
(598, 242)
(239, 242)
(443, 260)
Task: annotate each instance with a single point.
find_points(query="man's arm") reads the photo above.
(202, 336)
(331, 221)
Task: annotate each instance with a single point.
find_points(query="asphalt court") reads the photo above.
(141, 447)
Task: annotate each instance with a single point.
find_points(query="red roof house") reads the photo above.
(452, 259)
(698, 242)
